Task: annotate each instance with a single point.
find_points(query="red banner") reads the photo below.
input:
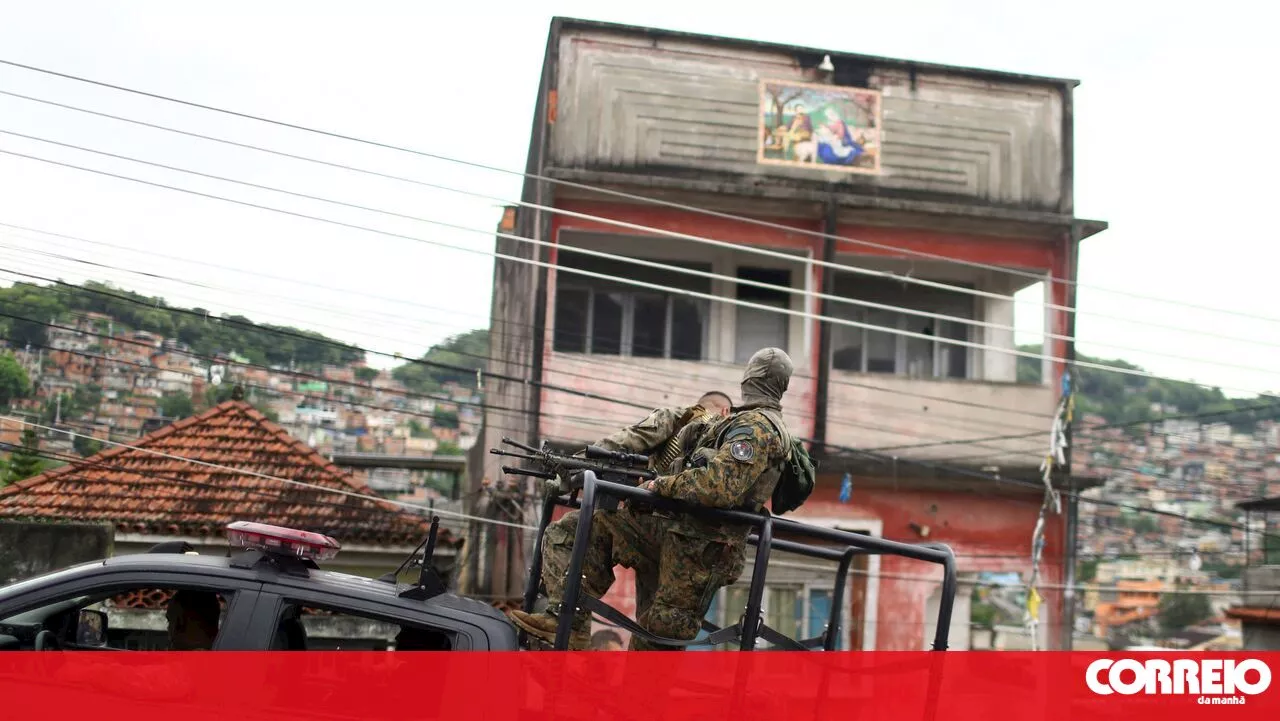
(957, 685)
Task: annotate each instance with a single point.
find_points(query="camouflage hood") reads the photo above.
(766, 378)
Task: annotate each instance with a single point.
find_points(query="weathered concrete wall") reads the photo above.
(653, 382)
(30, 549)
(515, 286)
(987, 533)
(630, 101)
(872, 411)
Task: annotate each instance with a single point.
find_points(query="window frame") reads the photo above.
(242, 598)
(274, 600)
(804, 590)
(627, 331)
(900, 348)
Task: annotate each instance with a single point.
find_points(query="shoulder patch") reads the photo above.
(743, 431)
(743, 450)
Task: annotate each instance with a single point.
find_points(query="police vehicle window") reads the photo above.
(315, 628)
(130, 619)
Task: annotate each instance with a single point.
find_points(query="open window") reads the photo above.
(604, 317)
(303, 626)
(928, 354)
(138, 618)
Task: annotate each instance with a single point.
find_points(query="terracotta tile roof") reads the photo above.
(142, 492)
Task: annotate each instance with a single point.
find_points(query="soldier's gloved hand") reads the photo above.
(552, 487)
(575, 480)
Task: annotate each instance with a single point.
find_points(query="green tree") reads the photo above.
(417, 430)
(366, 374)
(442, 418)
(1180, 610)
(14, 383)
(25, 462)
(1088, 570)
(468, 351)
(445, 448)
(86, 446)
(177, 406)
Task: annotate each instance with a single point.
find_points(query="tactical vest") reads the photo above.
(672, 450)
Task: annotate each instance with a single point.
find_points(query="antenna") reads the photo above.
(429, 583)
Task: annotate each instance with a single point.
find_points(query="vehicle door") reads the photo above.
(294, 618)
(123, 609)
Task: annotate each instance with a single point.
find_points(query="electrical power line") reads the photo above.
(832, 418)
(626, 281)
(603, 422)
(894, 460)
(689, 271)
(264, 476)
(605, 191)
(681, 236)
(526, 527)
(604, 360)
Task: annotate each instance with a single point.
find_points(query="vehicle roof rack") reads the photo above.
(750, 627)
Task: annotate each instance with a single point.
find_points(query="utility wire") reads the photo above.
(602, 360)
(669, 267)
(79, 465)
(264, 476)
(606, 191)
(600, 422)
(976, 442)
(832, 418)
(682, 236)
(894, 461)
(665, 233)
(627, 281)
(499, 410)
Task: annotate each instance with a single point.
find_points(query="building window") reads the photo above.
(869, 351)
(605, 317)
(798, 611)
(756, 327)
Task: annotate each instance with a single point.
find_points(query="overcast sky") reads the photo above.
(1174, 148)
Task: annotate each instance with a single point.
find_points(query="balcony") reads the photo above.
(905, 389)
(922, 418)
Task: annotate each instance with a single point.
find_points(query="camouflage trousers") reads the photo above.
(677, 571)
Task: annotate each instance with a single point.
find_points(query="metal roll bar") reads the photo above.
(765, 525)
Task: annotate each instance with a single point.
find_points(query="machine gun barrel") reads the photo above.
(528, 472)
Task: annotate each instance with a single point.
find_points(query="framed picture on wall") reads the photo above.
(820, 127)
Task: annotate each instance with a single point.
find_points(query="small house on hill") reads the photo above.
(188, 480)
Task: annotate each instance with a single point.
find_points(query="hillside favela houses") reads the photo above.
(247, 469)
(649, 289)
(910, 171)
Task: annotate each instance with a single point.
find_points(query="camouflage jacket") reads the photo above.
(647, 435)
(744, 456)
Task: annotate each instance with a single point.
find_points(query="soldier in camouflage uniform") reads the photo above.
(734, 462)
(656, 436)
(652, 436)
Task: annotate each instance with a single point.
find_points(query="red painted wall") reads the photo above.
(986, 532)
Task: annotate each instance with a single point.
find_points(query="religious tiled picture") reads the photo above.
(826, 126)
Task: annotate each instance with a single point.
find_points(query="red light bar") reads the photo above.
(282, 541)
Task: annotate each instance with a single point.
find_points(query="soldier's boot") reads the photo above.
(543, 627)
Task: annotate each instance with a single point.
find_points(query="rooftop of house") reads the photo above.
(814, 55)
(152, 488)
